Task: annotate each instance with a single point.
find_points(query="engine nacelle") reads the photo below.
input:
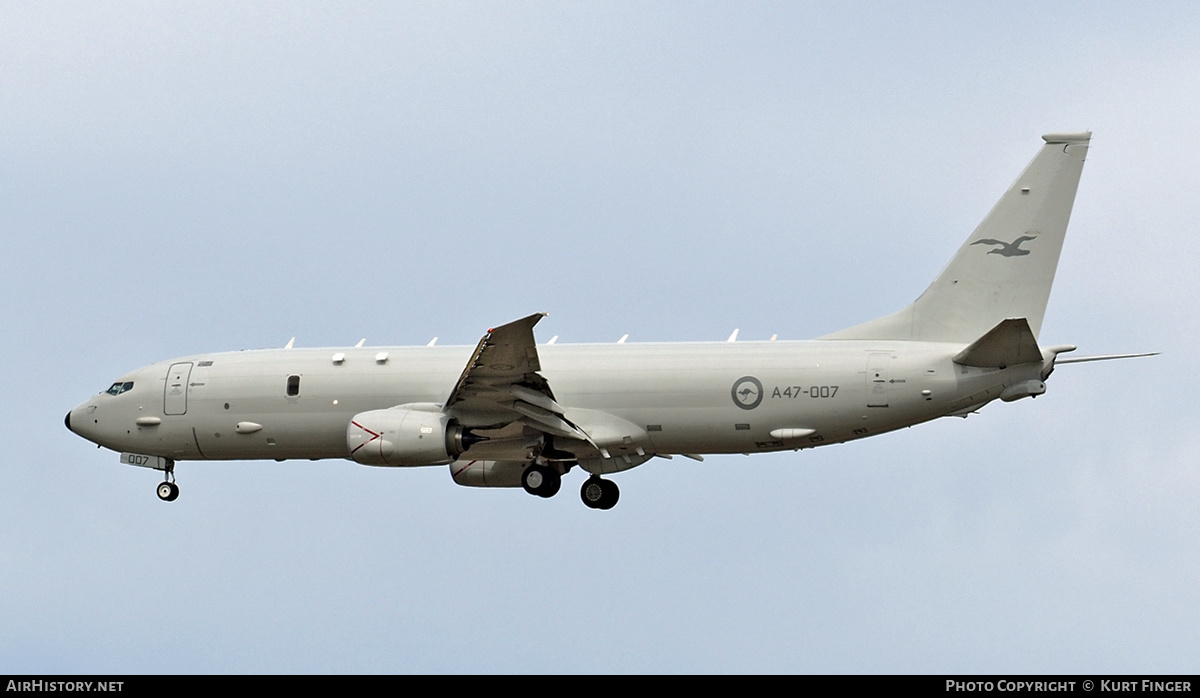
(487, 473)
(405, 436)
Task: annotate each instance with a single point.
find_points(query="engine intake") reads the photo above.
(406, 436)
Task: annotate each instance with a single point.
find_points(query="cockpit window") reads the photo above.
(119, 387)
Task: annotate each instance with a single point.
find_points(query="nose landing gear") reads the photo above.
(168, 491)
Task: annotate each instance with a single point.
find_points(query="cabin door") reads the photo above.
(175, 393)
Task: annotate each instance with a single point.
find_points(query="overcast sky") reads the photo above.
(190, 177)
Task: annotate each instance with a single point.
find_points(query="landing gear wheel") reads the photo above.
(541, 481)
(598, 493)
(168, 491)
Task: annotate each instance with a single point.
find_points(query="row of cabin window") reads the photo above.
(293, 387)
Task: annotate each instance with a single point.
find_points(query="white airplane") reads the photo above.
(511, 413)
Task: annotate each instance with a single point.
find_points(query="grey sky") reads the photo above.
(198, 177)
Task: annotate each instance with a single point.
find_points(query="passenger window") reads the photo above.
(293, 386)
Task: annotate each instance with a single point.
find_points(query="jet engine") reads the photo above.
(488, 473)
(407, 435)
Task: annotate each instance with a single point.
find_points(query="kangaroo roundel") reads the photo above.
(747, 392)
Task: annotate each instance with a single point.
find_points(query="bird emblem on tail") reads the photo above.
(1007, 249)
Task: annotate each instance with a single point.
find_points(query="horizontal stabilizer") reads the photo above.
(1108, 357)
(1007, 344)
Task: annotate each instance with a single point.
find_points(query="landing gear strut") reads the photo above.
(541, 481)
(168, 491)
(598, 493)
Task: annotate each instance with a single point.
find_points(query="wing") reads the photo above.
(501, 385)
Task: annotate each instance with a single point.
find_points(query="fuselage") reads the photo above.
(685, 398)
(512, 413)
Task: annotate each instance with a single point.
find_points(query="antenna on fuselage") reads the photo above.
(290, 343)
(360, 343)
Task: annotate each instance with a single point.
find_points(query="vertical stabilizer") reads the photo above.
(1006, 267)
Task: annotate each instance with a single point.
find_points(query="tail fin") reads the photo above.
(1005, 269)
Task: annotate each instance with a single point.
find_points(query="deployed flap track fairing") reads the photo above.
(509, 413)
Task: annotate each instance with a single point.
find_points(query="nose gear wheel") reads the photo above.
(168, 491)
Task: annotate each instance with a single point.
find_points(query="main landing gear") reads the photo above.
(598, 493)
(541, 481)
(545, 481)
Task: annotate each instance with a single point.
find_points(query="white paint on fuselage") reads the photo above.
(680, 393)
